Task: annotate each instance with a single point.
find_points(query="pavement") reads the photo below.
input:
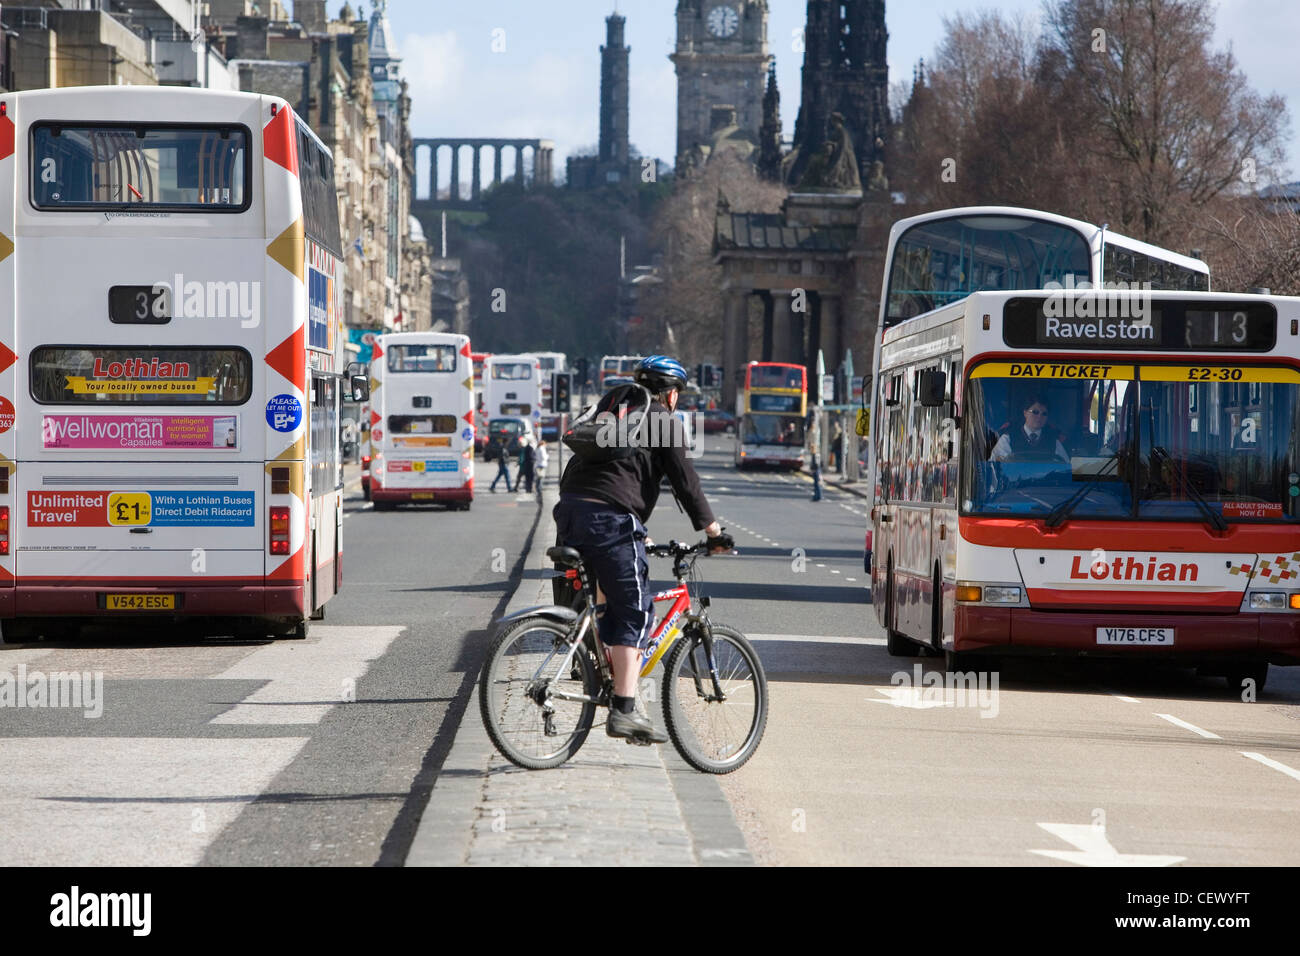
(611, 804)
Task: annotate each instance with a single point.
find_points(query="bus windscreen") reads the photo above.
(944, 260)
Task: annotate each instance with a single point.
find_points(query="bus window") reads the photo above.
(422, 358)
(116, 375)
(162, 166)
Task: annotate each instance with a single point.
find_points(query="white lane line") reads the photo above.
(850, 579)
(833, 571)
(1186, 726)
(821, 565)
(1268, 762)
(817, 639)
(1127, 700)
(304, 681)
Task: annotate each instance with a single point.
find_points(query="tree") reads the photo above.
(687, 299)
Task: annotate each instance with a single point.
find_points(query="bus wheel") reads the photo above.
(1237, 675)
(296, 633)
(383, 506)
(896, 643)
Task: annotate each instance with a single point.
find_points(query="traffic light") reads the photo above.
(561, 392)
(702, 375)
(581, 367)
(711, 376)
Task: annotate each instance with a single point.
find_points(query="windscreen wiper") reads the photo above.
(1062, 511)
(1213, 517)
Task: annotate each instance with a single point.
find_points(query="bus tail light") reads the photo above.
(279, 530)
(4, 529)
(280, 480)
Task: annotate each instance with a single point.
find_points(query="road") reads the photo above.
(358, 746)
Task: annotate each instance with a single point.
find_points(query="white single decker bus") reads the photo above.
(422, 420)
(171, 362)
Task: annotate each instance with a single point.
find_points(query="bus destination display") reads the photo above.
(1117, 322)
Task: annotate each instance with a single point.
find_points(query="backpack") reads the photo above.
(612, 429)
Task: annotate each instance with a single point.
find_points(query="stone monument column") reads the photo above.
(735, 342)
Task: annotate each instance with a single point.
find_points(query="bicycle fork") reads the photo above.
(705, 631)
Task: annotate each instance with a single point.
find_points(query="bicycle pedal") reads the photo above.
(640, 741)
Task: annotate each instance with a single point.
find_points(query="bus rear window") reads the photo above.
(513, 371)
(140, 166)
(422, 358)
(110, 375)
(421, 424)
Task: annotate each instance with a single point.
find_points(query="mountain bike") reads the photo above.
(547, 672)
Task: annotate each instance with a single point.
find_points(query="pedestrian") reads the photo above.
(837, 447)
(527, 459)
(502, 457)
(814, 440)
(541, 461)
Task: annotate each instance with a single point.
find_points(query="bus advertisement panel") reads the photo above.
(422, 419)
(1101, 473)
(169, 422)
(771, 409)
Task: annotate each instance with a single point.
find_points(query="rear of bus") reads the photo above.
(422, 425)
(159, 438)
(512, 388)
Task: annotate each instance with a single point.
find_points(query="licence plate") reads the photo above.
(140, 602)
(421, 495)
(1136, 636)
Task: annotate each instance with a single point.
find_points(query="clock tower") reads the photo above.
(722, 60)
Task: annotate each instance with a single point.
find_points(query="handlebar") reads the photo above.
(676, 549)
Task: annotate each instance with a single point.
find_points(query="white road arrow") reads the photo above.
(1095, 850)
(914, 697)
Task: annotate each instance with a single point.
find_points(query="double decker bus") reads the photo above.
(549, 363)
(1100, 473)
(171, 361)
(422, 420)
(617, 366)
(771, 409)
(512, 387)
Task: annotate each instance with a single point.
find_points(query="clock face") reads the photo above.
(723, 21)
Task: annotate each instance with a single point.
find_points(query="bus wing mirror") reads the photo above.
(360, 388)
(933, 388)
(863, 425)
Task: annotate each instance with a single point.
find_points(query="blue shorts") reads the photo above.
(612, 545)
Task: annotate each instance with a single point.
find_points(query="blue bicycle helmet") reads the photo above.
(659, 373)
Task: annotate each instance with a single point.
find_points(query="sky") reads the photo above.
(531, 68)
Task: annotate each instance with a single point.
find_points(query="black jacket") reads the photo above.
(632, 483)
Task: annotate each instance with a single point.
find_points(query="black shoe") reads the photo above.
(634, 727)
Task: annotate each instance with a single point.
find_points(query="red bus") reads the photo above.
(771, 408)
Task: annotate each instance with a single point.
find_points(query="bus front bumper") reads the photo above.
(1274, 637)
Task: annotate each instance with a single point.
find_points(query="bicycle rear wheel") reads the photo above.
(716, 736)
(529, 725)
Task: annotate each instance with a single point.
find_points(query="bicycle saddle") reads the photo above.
(567, 557)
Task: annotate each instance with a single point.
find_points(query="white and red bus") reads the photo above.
(617, 366)
(171, 348)
(512, 388)
(1099, 473)
(422, 420)
(771, 407)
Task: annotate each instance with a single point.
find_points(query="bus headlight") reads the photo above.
(1001, 595)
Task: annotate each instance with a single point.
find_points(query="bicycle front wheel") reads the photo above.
(529, 724)
(716, 736)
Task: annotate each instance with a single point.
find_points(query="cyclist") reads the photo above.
(602, 512)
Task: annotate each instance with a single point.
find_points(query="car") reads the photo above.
(717, 420)
(505, 430)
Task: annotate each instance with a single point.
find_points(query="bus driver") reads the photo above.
(1031, 441)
